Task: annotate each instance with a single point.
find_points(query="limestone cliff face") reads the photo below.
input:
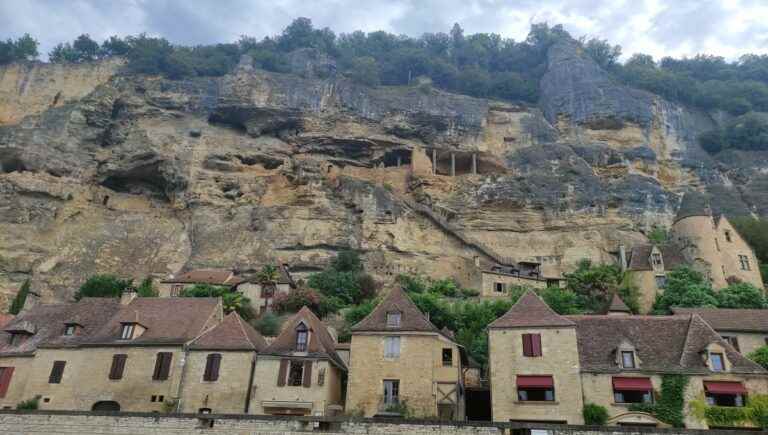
(105, 172)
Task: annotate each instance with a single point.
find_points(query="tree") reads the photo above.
(344, 282)
(268, 276)
(86, 48)
(63, 53)
(685, 287)
(658, 235)
(268, 324)
(22, 49)
(364, 71)
(114, 46)
(231, 300)
(19, 299)
(147, 288)
(594, 285)
(603, 53)
(103, 286)
(760, 356)
(297, 298)
(741, 295)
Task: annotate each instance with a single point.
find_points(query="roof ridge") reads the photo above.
(239, 321)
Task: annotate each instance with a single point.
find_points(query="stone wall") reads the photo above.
(59, 423)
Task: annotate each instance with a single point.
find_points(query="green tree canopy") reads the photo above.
(231, 300)
(685, 287)
(21, 297)
(741, 295)
(23, 48)
(103, 286)
(760, 356)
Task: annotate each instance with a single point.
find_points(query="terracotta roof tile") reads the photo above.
(411, 318)
(731, 319)
(321, 342)
(167, 321)
(530, 311)
(640, 257)
(233, 333)
(669, 344)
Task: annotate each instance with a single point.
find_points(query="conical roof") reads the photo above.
(530, 311)
(397, 301)
(693, 204)
(617, 305)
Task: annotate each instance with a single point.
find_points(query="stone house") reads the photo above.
(544, 367)
(261, 295)
(496, 280)
(219, 368)
(40, 326)
(300, 372)
(745, 329)
(136, 361)
(399, 359)
(176, 284)
(713, 246)
(648, 266)
(534, 365)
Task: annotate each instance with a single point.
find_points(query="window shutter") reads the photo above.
(307, 374)
(536, 344)
(281, 374)
(212, 367)
(5, 379)
(57, 372)
(118, 365)
(162, 366)
(527, 345)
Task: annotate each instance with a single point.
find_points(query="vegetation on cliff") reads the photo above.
(686, 287)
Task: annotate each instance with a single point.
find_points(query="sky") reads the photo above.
(676, 28)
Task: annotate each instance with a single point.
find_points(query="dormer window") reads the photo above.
(716, 362)
(393, 319)
(18, 338)
(728, 236)
(302, 337)
(628, 359)
(656, 259)
(128, 330)
(70, 329)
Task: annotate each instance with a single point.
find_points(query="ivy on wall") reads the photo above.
(670, 402)
(755, 413)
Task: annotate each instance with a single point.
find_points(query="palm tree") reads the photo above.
(268, 278)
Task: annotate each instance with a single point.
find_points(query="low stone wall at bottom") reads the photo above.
(66, 422)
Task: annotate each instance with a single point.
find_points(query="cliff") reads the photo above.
(106, 172)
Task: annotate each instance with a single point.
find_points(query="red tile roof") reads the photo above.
(321, 342)
(411, 318)
(530, 311)
(231, 334)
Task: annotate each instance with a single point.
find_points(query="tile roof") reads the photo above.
(48, 322)
(693, 204)
(530, 311)
(321, 342)
(731, 319)
(617, 305)
(411, 318)
(640, 257)
(284, 275)
(206, 276)
(5, 319)
(233, 333)
(669, 344)
(167, 321)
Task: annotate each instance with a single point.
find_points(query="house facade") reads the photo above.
(497, 280)
(176, 284)
(745, 329)
(544, 367)
(401, 363)
(300, 372)
(648, 266)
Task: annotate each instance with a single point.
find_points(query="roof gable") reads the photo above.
(233, 333)
(731, 319)
(617, 305)
(640, 256)
(321, 344)
(411, 318)
(530, 311)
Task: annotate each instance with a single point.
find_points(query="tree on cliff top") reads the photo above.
(23, 48)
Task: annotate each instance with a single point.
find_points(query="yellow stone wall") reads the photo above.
(17, 389)
(253, 292)
(559, 358)
(645, 280)
(490, 279)
(265, 386)
(748, 341)
(85, 380)
(227, 395)
(730, 252)
(419, 368)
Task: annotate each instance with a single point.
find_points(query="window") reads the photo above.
(267, 291)
(744, 262)
(632, 396)
(156, 398)
(296, 374)
(57, 372)
(391, 392)
(716, 362)
(70, 329)
(176, 290)
(118, 366)
(532, 345)
(725, 393)
(628, 359)
(321, 376)
(535, 388)
(728, 236)
(302, 335)
(656, 259)
(733, 341)
(127, 332)
(724, 399)
(391, 347)
(212, 364)
(18, 338)
(162, 366)
(393, 320)
(6, 373)
(661, 281)
(447, 357)
(499, 287)
(717, 244)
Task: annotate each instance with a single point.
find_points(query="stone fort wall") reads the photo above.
(65, 422)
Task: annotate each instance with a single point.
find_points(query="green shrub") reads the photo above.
(760, 356)
(30, 404)
(147, 288)
(268, 324)
(103, 286)
(19, 299)
(741, 295)
(231, 300)
(595, 415)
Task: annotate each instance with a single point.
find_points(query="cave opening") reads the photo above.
(12, 164)
(143, 180)
(396, 158)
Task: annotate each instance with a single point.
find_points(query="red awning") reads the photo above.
(535, 382)
(632, 384)
(723, 387)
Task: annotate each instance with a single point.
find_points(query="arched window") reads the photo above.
(106, 405)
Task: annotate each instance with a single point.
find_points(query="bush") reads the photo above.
(760, 356)
(147, 288)
(594, 285)
(343, 283)
(19, 299)
(685, 288)
(103, 286)
(30, 404)
(297, 298)
(268, 324)
(741, 295)
(231, 300)
(595, 415)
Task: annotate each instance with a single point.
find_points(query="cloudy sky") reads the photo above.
(673, 27)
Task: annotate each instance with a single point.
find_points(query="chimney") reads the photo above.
(129, 294)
